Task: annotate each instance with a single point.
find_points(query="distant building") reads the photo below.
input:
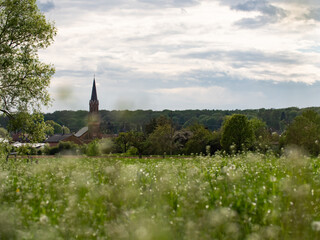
(92, 131)
(86, 134)
(57, 138)
(19, 137)
(33, 145)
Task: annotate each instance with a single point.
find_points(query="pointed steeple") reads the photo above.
(94, 91)
(94, 102)
(94, 118)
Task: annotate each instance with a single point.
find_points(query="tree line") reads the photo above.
(237, 134)
(114, 122)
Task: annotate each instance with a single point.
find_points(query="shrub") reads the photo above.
(106, 145)
(93, 148)
(65, 148)
(132, 151)
(26, 150)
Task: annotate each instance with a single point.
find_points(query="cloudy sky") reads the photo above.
(184, 54)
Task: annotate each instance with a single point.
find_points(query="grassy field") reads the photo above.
(250, 196)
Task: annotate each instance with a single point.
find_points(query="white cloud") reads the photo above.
(202, 97)
(143, 46)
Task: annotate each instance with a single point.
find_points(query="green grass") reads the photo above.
(250, 196)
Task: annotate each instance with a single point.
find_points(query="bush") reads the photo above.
(106, 145)
(93, 148)
(132, 151)
(65, 148)
(26, 150)
(5, 148)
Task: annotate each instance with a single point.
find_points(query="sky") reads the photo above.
(184, 54)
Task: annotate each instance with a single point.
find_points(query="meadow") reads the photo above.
(247, 196)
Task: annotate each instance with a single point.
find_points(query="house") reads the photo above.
(19, 137)
(55, 139)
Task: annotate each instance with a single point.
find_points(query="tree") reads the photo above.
(123, 141)
(262, 136)
(181, 137)
(200, 139)
(155, 122)
(3, 132)
(160, 139)
(65, 130)
(304, 131)
(138, 141)
(56, 127)
(93, 148)
(24, 79)
(32, 126)
(237, 131)
(215, 143)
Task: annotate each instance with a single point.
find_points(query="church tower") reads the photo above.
(94, 118)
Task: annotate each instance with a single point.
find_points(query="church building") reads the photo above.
(85, 134)
(92, 131)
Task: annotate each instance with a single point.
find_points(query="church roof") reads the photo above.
(57, 138)
(94, 96)
(81, 131)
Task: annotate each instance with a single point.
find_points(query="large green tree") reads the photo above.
(262, 135)
(56, 128)
(123, 141)
(237, 131)
(200, 139)
(161, 139)
(24, 79)
(304, 132)
(138, 140)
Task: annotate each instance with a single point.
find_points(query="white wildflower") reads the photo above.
(315, 225)
(43, 218)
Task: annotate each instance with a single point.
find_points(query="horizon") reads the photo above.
(186, 54)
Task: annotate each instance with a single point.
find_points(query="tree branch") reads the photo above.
(7, 113)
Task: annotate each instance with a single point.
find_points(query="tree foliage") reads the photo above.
(155, 122)
(93, 148)
(161, 139)
(3, 132)
(127, 140)
(56, 127)
(305, 132)
(32, 126)
(237, 131)
(112, 121)
(200, 139)
(123, 141)
(262, 137)
(138, 141)
(180, 139)
(24, 79)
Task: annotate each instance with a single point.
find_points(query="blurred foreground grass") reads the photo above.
(250, 196)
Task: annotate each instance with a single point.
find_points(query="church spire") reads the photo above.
(94, 102)
(94, 118)
(94, 91)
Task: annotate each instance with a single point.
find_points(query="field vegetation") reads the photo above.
(244, 196)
